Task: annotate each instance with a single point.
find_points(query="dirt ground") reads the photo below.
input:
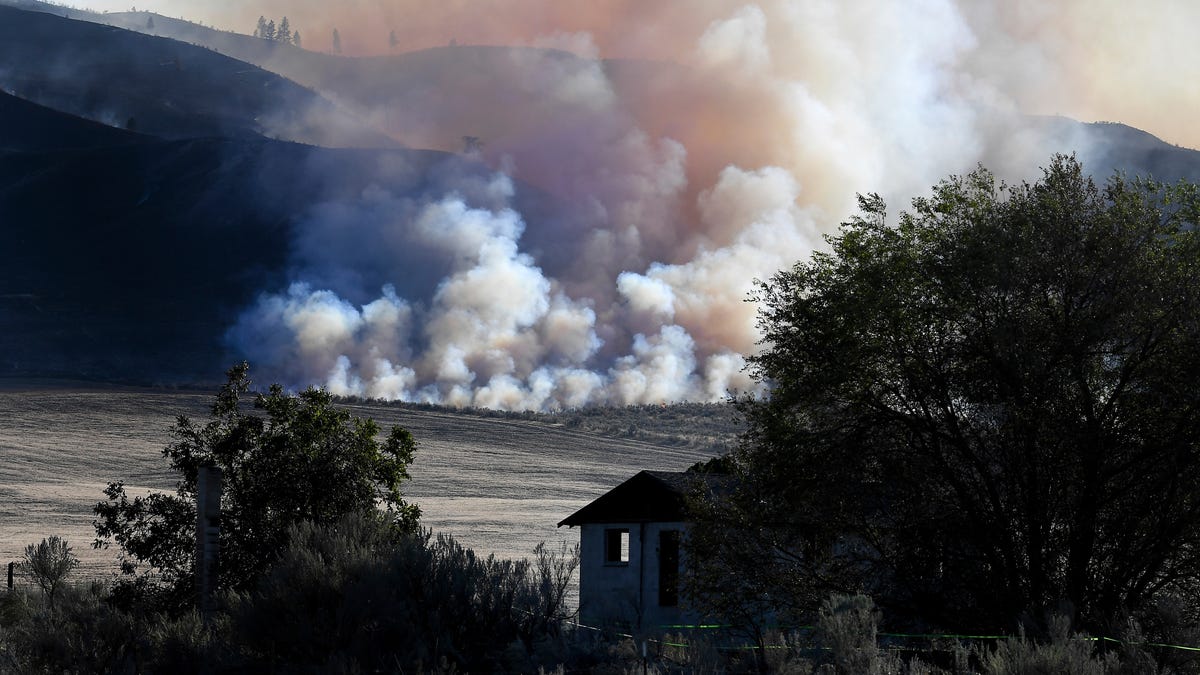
(499, 486)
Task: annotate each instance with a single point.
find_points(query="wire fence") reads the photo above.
(932, 637)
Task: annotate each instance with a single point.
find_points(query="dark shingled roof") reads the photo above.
(650, 496)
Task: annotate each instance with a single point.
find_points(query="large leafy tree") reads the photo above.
(292, 459)
(980, 410)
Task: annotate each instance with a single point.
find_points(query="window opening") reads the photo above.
(616, 546)
(668, 568)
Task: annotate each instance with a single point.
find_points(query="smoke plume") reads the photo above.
(646, 161)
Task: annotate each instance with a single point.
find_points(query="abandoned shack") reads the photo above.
(631, 547)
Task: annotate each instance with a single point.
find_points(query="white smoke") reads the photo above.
(739, 41)
(684, 187)
(497, 332)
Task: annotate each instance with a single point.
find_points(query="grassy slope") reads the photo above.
(498, 483)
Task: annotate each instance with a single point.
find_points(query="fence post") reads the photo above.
(208, 537)
(11, 567)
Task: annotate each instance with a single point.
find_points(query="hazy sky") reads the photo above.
(1089, 59)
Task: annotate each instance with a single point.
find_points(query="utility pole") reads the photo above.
(208, 537)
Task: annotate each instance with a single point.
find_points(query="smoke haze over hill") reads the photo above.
(1090, 60)
(642, 162)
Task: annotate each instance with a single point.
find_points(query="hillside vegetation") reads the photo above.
(702, 426)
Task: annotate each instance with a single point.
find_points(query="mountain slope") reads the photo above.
(422, 94)
(1118, 147)
(28, 126)
(159, 86)
(127, 257)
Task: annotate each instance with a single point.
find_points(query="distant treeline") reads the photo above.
(713, 426)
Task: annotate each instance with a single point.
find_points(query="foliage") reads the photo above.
(48, 563)
(84, 633)
(336, 622)
(721, 465)
(979, 411)
(1062, 653)
(267, 31)
(847, 626)
(354, 593)
(78, 634)
(1173, 620)
(302, 460)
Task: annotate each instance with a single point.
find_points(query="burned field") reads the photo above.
(497, 483)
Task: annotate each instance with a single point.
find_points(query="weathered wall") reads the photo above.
(626, 594)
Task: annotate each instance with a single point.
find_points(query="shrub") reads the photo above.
(358, 595)
(49, 563)
(298, 458)
(847, 625)
(78, 634)
(1062, 653)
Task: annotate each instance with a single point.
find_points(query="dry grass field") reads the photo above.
(499, 483)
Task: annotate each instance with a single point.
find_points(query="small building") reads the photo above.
(631, 552)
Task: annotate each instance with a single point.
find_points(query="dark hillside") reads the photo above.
(28, 126)
(127, 257)
(159, 86)
(131, 274)
(1118, 147)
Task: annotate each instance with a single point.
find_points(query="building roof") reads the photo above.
(649, 496)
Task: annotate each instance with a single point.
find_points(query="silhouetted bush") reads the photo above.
(1172, 620)
(48, 564)
(847, 626)
(355, 595)
(79, 633)
(1062, 653)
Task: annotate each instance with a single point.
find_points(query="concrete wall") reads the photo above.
(626, 594)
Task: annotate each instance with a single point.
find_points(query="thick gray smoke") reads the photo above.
(496, 331)
(676, 187)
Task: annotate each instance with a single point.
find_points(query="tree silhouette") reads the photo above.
(337, 42)
(49, 563)
(979, 409)
(296, 458)
(472, 145)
